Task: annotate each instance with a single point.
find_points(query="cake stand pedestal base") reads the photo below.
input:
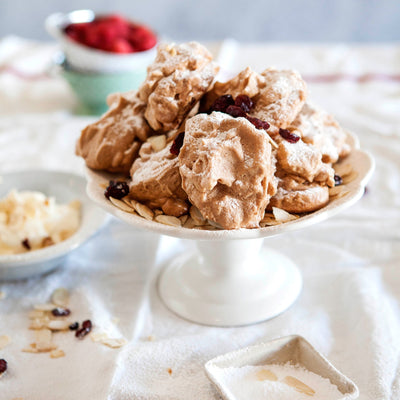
(230, 283)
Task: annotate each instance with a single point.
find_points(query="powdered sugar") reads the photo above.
(251, 382)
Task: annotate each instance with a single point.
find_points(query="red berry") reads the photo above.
(338, 180)
(3, 366)
(142, 38)
(116, 189)
(86, 328)
(60, 312)
(258, 123)
(74, 326)
(26, 244)
(112, 33)
(244, 102)
(122, 46)
(177, 144)
(235, 112)
(289, 136)
(222, 103)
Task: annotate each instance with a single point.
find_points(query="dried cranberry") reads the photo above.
(289, 136)
(258, 123)
(74, 326)
(235, 112)
(60, 312)
(26, 244)
(222, 103)
(338, 180)
(81, 333)
(86, 328)
(116, 189)
(177, 144)
(3, 366)
(244, 102)
(87, 324)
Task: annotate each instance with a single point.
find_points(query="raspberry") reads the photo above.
(122, 46)
(112, 33)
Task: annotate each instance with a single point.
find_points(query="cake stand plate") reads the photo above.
(232, 279)
(230, 283)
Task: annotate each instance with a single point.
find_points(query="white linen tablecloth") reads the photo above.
(349, 306)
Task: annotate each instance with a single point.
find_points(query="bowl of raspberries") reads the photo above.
(102, 53)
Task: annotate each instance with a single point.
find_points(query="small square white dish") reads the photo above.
(293, 350)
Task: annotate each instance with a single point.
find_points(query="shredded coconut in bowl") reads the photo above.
(29, 221)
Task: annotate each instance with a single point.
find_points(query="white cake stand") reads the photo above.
(232, 279)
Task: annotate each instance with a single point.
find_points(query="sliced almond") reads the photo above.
(43, 340)
(168, 220)
(268, 215)
(189, 224)
(214, 224)
(144, 211)
(272, 141)
(58, 325)
(298, 385)
(39, 323)
(4, 341)
(282, 215)
(44, 307)
(269, 222)
(57, 353)
(31, 349)
(122, 205)
(158, 212)
(157, 142)
(34, 314)
(98, 336)
(266, 375)
(60, 297)
(183, 218)
(335, 190)
(114, 343)
(343, 169)
(196, 215)
(341, 194)
(350, 177)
